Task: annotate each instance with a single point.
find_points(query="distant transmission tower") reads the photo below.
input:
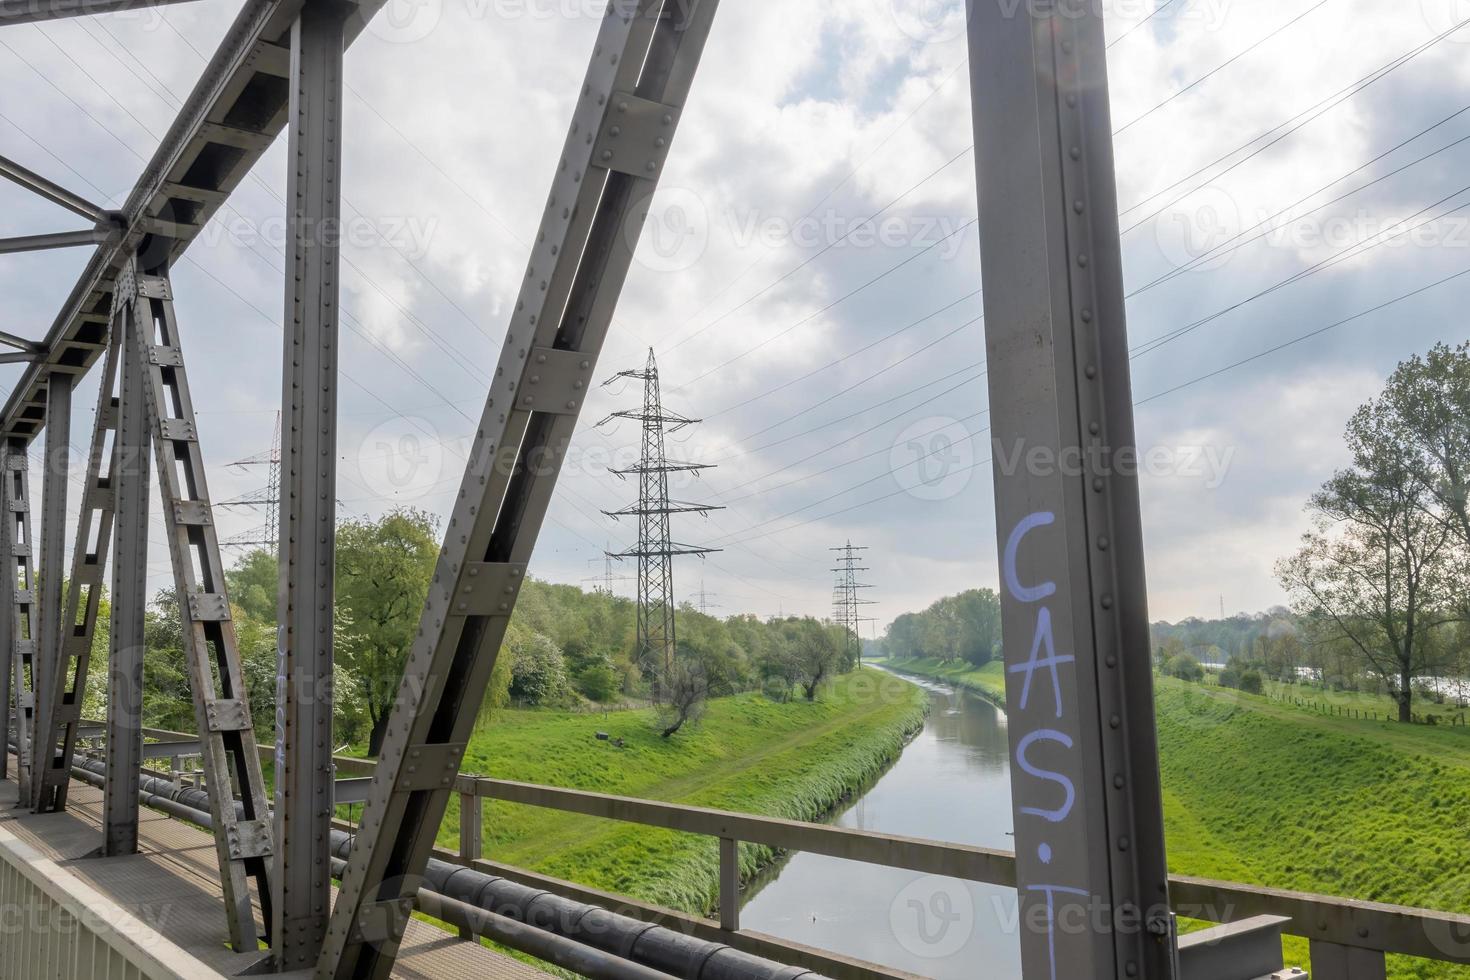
(607, 578)
(845, 602)
(656, 550)
(702, 598)
(268, 497)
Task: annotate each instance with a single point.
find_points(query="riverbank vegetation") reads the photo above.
(795, 758)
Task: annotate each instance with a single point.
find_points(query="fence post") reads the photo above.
(471, 846)
(729, 884)
(1347, 962)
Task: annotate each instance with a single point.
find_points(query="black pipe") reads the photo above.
(659, 948)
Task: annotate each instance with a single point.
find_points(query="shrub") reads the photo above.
(1184, 667)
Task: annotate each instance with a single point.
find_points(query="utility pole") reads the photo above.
(845, 599)
(655, 550)
(269, 497)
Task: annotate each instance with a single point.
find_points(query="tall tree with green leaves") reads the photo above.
(384, 568)
(1383, 566)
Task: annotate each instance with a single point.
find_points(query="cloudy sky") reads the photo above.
(1270, 154)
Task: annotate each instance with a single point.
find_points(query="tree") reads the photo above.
(1184, 667)
(814, 654)
(538, 675)
(255, 584)
(383, 572)
(1426, 406)
(1376, 571)
(685, 690)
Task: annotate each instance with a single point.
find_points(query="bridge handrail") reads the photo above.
(1332, 924)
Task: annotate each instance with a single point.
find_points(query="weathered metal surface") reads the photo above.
(646, 51)
(303, 773)
(60, 712)
(1084, 757)
(230, 760)
(130, 476)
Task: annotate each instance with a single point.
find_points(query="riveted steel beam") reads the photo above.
(1089, 824)
(646, 53)
(59, 712)
(304, 772)
(216, 677)
(228, 121)
(129, 476)
(55, 471)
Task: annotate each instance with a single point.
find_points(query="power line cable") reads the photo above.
(1199, 380)
(1222, 66)
(1152, 14)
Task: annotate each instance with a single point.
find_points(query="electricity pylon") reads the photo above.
(269, 497)
(607, 578)
(655, 550)
(702, 598)
(845, 601)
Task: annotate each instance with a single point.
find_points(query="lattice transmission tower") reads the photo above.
(846, 604)
(267, 497)
(656, 549)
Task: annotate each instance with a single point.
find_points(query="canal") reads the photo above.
(952, 783)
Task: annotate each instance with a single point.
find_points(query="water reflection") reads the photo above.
(952, 783)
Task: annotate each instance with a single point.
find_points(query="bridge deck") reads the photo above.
(173, 886)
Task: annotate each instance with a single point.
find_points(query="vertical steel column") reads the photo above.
(304, 774)
(22, 571)
(8, 543)
(129, 476)
(59, 713)
(1085, 781)
(625, 118)
(55, 471)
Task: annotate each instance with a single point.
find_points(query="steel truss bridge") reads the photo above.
(1089, 828)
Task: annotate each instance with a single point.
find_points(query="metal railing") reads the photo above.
(1349, 939)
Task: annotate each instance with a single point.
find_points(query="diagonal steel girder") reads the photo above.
(234, 113)
(626, 116)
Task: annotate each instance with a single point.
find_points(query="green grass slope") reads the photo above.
(1268, 794)
(988, 681)
(796, 760)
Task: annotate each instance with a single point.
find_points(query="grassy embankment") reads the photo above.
(797, 760)
(989, 681)
(1264, 792)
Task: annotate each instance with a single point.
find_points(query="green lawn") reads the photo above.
(1267, 793)
(795, 760)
